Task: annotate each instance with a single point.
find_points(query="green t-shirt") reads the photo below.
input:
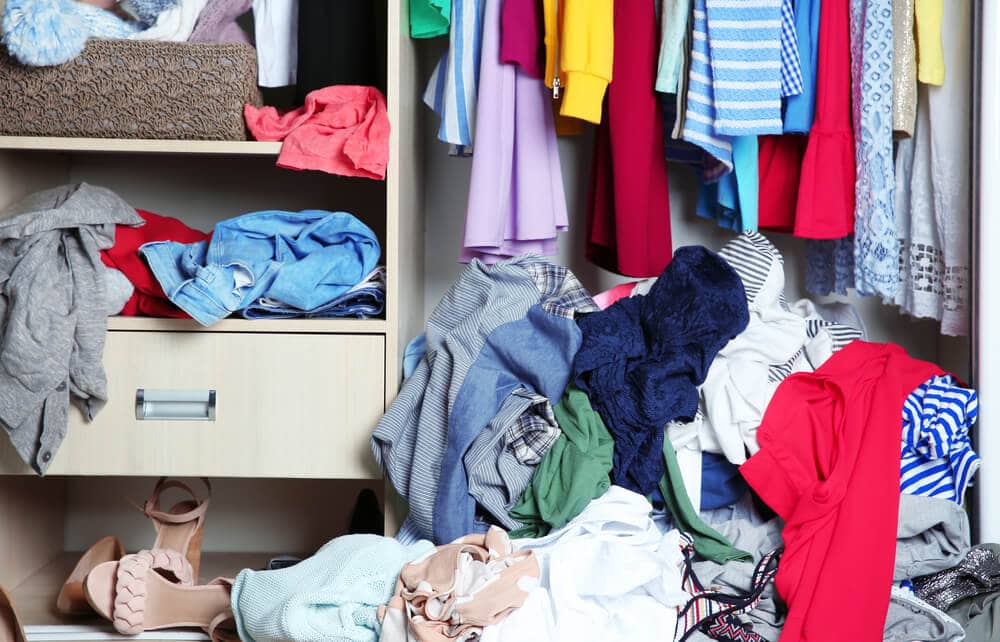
(429, 18)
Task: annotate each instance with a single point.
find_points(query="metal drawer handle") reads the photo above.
(175, 405)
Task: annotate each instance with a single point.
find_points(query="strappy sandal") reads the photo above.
(71, 600)
(147, 591)
(11, 629)
(181, 528)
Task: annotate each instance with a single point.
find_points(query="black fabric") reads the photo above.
(337, 45)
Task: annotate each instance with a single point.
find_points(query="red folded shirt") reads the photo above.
(148, 300)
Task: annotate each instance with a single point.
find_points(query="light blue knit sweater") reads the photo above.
(331, 597)
(52, 32)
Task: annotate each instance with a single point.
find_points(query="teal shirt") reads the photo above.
(429, 18)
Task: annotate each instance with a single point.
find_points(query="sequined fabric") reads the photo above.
(904, 69)
(978, 573)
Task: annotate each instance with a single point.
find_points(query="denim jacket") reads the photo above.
(302, 259)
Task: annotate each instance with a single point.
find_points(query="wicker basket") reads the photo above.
(133, 89)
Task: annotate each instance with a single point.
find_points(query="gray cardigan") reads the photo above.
(53, 311)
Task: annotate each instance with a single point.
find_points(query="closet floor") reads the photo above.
(35, 598)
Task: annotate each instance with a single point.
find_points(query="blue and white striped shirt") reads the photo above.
(735, 77)
(454, 85)
(744, 40)
(699, 118)
(937, 456)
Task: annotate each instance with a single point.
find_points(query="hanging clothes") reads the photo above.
(732, 200)
(929, 19)
(827, 465)
(734, 82)
(830, 266)
(628, 217)
(876, 248)
(933, 190)
(779, 161)
(746, 71)
(904, 69)
(521, 36)
(276, 33)
(674, 17)
(516, 199)
(825, 207)
(429, 18)
(579, 50)
(799, 109)
(452, 88)
(791, 63)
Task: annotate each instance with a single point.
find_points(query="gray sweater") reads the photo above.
(53, 311)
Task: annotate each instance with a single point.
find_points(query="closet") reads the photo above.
(291, 403)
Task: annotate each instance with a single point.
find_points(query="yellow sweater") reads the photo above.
(579, 50)
(930, 51)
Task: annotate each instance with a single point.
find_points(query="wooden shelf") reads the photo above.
(315, 326)
(35, 598)
(141, 146)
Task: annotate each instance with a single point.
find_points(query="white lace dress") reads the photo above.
(933, 189)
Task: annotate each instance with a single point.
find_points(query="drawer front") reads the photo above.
(286, 405)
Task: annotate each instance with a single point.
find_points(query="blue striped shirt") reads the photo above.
(735, 76)
(937, 456)
(744, 40)
(699, 118)
(454, 85)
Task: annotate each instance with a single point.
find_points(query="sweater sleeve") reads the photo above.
(930, 49)
(586, 56)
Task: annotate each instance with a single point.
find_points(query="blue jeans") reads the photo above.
(302, 259)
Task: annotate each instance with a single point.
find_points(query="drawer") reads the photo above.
(286, 405)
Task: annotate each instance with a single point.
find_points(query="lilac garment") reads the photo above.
(521, 36)
(217, 22)
(516, 199)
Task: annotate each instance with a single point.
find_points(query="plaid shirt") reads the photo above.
(535, 431)
(562, 293)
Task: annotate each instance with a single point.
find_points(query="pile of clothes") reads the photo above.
(698, 451)
(73, 255)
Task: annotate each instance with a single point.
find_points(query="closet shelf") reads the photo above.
(315, 326)
(141, 146)
(35, 597)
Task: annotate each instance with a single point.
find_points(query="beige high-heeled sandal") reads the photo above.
(179, 529)
(146, 592)
(11, 629)
(71, 600)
